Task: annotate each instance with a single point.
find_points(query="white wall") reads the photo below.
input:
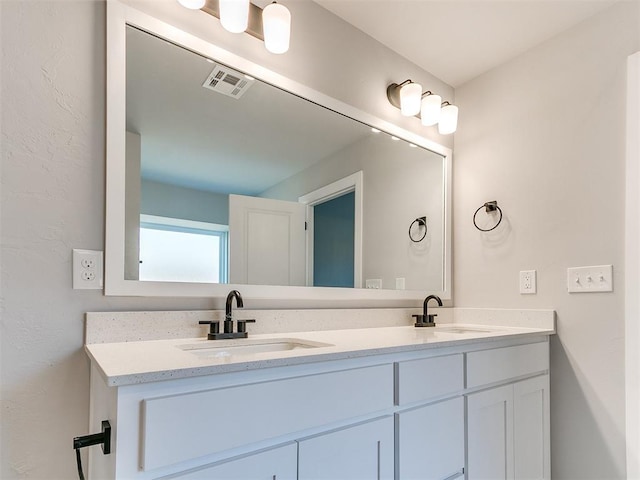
(632, 261)
(400, 184)
(545, 136)
(53, 141)
(173, 201)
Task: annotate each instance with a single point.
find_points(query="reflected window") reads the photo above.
(180, 250)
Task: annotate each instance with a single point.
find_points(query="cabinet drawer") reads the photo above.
(428, 378)
(187, 426)
(280, 463)
(489, 366)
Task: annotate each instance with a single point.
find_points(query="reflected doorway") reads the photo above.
(333, 240)
(334, 233)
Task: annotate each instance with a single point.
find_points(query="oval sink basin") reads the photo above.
(224, 348)
(463, 330)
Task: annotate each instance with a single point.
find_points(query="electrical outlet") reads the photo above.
(87, 269)
(528, 282)
(400, 283)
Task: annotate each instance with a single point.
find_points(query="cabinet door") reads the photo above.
(276, 464)
(361, 452)
(490, 434)
(531, 428)
(431, 441)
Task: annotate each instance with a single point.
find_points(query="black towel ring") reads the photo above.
(422, 222)
(489, 207)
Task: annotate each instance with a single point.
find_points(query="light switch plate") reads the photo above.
(594, 279)
(375, 283)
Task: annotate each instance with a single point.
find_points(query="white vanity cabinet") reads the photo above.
(430, 434)
(274, 464)
(431, 441)
(508, 426)
(478, 410)
(363, 451)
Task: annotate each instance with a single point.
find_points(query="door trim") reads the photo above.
(632, 268)
(352, 183)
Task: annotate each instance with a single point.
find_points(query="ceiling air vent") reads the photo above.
(228, 82)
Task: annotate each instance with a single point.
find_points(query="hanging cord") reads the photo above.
(103, 438)
(79, 461)
(489, 207)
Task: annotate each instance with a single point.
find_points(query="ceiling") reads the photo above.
(198, 138)
(457, 40)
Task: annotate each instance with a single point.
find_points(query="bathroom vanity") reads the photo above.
(460, 400)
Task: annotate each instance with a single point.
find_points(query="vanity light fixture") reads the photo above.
(430, 108)
(276, 24)
(410, 94)
(234, 15)
(448, 119)
(192, 4)
(271, 25)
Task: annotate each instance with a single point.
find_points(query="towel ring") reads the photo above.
(422, 222)
(489, 207)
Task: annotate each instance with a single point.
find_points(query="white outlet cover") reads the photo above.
(528, 284)
(594, 279)
(87, 269)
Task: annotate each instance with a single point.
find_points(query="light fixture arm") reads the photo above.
(212, 7)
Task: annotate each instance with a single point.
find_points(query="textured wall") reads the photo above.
(545, 136)
(53, 108)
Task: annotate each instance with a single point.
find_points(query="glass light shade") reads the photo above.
(276, 26)
(448, 120)
(410, 96)
(430, 111)
(192, 4)
(234, 15)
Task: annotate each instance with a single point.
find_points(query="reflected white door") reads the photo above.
(266, 241)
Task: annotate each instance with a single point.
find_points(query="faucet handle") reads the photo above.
(242, 324)
(214, 325)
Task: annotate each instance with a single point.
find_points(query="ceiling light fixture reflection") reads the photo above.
(375, 130)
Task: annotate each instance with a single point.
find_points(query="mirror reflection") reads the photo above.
(232, 180)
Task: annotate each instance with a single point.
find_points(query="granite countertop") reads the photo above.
(135, 362)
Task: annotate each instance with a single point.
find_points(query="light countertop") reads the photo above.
(135, 362)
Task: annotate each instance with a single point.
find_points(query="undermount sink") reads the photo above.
(461, 329)
(226, 348)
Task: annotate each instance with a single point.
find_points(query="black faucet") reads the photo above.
(426, 320)
(214, 329)
(228, 320)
